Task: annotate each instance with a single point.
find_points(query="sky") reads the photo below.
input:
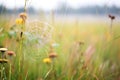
(52, 4)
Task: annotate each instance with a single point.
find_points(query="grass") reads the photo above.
(85, 51)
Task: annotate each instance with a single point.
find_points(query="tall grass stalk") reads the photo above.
(46, 75)
(111, 25)
(10, 69)
(21, 54)
(25, 5)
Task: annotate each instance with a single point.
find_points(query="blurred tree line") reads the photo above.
(3, 10)
(66, 9)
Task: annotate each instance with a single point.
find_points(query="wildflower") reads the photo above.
(3, 49)
(19, 21)
(47, 60)
(23, 16)
(111, 25)
(3, 60)
(11, 53)
(111, 17)
(52, 55)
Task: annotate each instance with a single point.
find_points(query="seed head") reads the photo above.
(21, 34)
(52, 55)
(111, 17)
(23, 15)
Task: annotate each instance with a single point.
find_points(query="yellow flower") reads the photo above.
(47, 60)
(19, 21)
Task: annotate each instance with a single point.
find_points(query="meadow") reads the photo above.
(59, 49)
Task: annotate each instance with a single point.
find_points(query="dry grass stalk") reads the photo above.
(88, 54)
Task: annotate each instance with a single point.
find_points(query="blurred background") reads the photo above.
(65, 9)
(83, 35)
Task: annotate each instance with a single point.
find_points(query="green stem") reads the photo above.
(10, 72)
(20, 53)
(3, 75)
(111, 24)
(48, 72)
(1, 71)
